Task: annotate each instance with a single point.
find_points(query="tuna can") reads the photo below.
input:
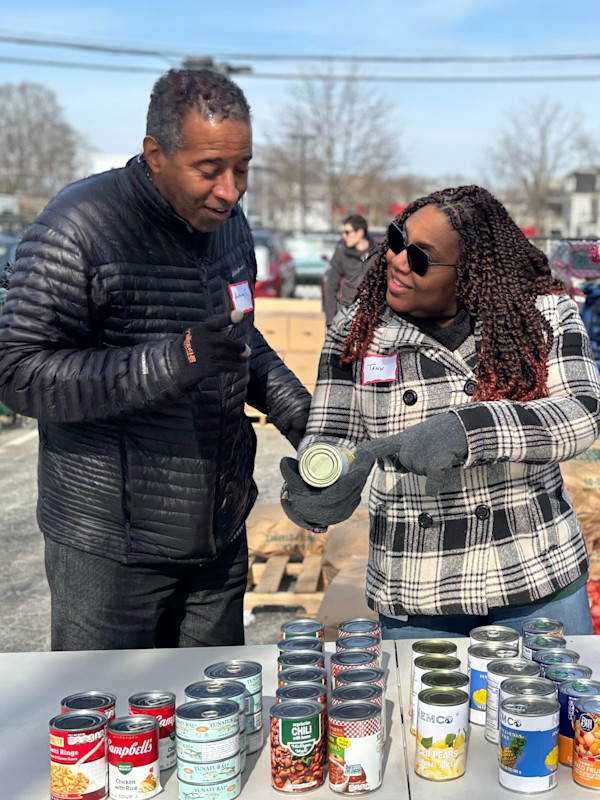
(302, 627)
(531, 644)
(254, 741)
(442, 725)
(364, 642)
(480, 656)
(422, 665)
(543, 625)
(162, 706)
(299, 644)
(438, 678)
(207, 720)
(568, 672)
(304, 658)
(302, 675)
(254, 721)
(201, 772)
(322, 464)
(217, 750)
(225, 790)
(102, 702)
(362, 693)
(253, 702)
(297, 745)
(359, 626)
(497, 671)
(302, 691)
(586, 733)
(133, 757)
(548, 658)
(526, 687)
(210, 690)
(247, 672)
(528, 744)
(569, 692)
(427, 647)
(350, 659)
(74, 736)
(355, 746)
(494, 634)
(361, 675)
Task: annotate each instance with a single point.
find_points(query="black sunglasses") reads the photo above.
(418, 259)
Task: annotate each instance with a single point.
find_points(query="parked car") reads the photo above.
(312, 253)
(570, 263)
(8, 248)
(276, 273)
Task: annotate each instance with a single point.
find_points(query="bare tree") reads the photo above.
(38, 148)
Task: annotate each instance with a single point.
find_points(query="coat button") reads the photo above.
(470, 387)
(425, 520)
(380, 463)
(409, 397)
(482, 512)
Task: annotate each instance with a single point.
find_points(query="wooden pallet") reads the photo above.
(265, 579)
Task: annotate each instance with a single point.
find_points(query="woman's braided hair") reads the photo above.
(499, 274)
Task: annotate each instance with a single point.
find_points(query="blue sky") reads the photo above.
(444, 128)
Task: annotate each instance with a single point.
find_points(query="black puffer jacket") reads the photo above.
(347, 269)
(134, 465)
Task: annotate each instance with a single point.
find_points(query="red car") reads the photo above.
(276, 273)
(570, 263)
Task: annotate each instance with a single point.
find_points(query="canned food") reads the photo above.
(479, 657)
(302, 675)
(354, 627)
(314, 692)
(586, 733)
(362, 693)
(297, 745)
(207, 720)
(426, 647)
(422, 665)
(494, 634)
(497, 671)
(247, 672)
(355, 746)
(527, 687)
(162, 706)
(302, 627)
(348, 660)
(201, 772)
(569, 692)
(322, 464)
(103, 702)
(528, 744)
(549, 627)
(300, 644)
(442, 725)
(531, 644)
(254, 741)
(548, 658)
(568, 672)
(217, 750)
(364, 642)
(254, 721)
(73, 737)
(361, 675)
(133, 757)
(208, 689)
(438, 678)
(253, 702)
(304, 658)
(225, 790)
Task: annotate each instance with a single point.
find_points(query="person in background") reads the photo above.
(129, 334)
(464, 375)
(348, 266)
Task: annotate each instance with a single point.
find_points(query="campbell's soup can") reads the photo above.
(422, 665)
(497, 671)
(355, 748)
(302, 675)
(133, 757)
(568, 672)
(442, 726)
(207, 720)
(300, 644)
(224, 790)
(362, 642)
(303, 658)
(74, 736)
(247, 672)
(298, 745)
(427, 647)
(569, 693)
(554, 657)
(350, 659)
(531, 644)
(216, 750)
(542, 625)
(298, 628)
(586, 742)
(358, 627)
(103, 702)
(479, 656)
(494, 634)
(162, 706)
(361, 675)
(528, 744)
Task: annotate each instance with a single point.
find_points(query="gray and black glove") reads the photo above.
(208, 350)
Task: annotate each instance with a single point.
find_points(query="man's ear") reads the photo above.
(154, 154)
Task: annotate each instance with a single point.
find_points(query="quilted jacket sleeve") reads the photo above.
(552, 429)
(50, 367)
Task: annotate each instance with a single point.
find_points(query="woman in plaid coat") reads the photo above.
(463, 373)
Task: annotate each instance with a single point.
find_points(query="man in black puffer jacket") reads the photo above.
(129, 334)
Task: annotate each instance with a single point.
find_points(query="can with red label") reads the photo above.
(355, 747)
(303, 627)
(162, 706)
(364, 642)
(350, 659)
(304, 658)
(361, 692)
(358, 627)
(78, 756)
(133, 760)
(103, 702)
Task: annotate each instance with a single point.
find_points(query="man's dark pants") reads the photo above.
(101, 604)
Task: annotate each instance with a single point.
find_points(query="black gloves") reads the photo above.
(316, 509)
(297, 428)
(208, 350)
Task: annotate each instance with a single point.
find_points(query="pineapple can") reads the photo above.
(586, 762)
(497, 671)
(442, 725)
(569, 693)
(479, 656)
(528, 744)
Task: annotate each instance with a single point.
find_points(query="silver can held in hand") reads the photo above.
(323, 464)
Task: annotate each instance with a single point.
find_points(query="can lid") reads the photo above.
(354, 657)
(443, 696)
(541, 640)
(300, 691)
(302, 674)
(303, 658)
(494, 633)
(513, 666)
(541, 624)
(302, 626)
(589, 705)
(528, 686)
(357, 642)
(361, 675)
(296, 709)
(152, 699)
(359, 625)
(233, 669)
(437, 661)
(579, 687)
(213, 688)
(444, 677)
(493, 650)
(93, 699)
(357, 691)
(556, 655)
(434, 646)
(348, 712)
(301, 643)
(135, 723)
(321, 464)
(207, 709)
(79, 721)
(568, 672)
(533, 706)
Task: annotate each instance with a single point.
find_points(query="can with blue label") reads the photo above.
(529, 744)
(479, 656)
(568, 672)
(498, 671)
(550, 658)
(531, 644)
(542, 625)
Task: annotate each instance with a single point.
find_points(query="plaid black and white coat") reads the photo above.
(502, 531)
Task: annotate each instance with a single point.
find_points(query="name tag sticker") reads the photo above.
(241, 296)
(379, 369)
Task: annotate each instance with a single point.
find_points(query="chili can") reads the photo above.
(362, 642)
(359, 626)
(201, 772)
(361, 675)
(494, 634)
(528, 744)
(422, 665)
(74, 736)
(207, 720)
(162, 706)
(442, 725)
(303, 658)
(314, 692)
(497, 671)
(297, 745)
(531, 644)
(302, 675)
(568, 672)
(300, 644)
(302, 627)
(247, 672)
(569, 692)
(479, 657)
(254, 741)
(103, 702)
(216, 750)
(543, 625)
(355, 746)
(322, 464)
(348, 660)
(224, 790)
(586, 733)
(549, 658)
(427, 647)
(133, 757)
